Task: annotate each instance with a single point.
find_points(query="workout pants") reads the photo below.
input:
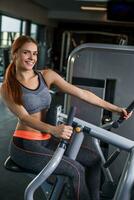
(84, 172)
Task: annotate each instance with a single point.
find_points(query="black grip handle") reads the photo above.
(71, 115)
(130, 107)
(117, 123)
(112, 158)
(63, 142)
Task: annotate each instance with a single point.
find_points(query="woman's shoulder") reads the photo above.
(49, 75)
(45, 71)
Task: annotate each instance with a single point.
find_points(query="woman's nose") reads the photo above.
(31, 56)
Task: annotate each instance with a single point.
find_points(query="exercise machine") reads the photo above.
(125, 184)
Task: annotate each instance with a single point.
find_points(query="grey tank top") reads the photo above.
(38, 99)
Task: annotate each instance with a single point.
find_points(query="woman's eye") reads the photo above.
(35, 54)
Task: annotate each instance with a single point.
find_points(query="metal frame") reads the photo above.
(66, 42)
(124, 188)
(75, 53)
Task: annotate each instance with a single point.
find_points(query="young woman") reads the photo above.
(26, 93)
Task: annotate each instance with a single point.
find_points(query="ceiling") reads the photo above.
(68, 5)
(70, 9)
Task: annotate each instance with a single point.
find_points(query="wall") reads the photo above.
(25, 9)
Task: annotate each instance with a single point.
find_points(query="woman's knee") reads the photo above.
(71, 168)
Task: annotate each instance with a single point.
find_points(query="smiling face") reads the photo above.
(26, 57)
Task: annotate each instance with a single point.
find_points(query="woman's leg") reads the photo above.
(36, 156)
(92, 163)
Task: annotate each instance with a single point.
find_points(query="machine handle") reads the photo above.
(71, 115)
(68, 122)
(51, 165)
(113, 156)
(117, 123)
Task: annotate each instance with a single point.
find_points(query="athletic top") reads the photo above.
(37, 99)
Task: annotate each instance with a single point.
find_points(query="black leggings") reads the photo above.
(84, 173)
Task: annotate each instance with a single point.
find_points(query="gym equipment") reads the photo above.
(69, 43)
(102, 62)
(123, 191)
(124, 188)
(10, 165)
(51, 166)
(109, 186)
(4, 61)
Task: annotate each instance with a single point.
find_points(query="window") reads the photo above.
(11, 28)
(33, 31)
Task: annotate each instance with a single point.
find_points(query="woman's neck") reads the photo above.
(25, 75)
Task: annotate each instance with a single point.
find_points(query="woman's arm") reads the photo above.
(61, 131)
(52, 77)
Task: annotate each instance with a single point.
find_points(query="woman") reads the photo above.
(25, 91)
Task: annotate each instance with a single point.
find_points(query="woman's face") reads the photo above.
(26, 57)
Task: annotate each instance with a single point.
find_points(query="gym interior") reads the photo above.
(92, 49)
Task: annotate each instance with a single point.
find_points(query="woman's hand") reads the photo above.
(125, 114)
(63, 131)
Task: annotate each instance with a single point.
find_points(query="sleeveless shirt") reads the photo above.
(37, 99)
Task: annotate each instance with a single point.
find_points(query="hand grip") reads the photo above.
(71, 115)
(112, 158)
(68, 122)
(117, 123)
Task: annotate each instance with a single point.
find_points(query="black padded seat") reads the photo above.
(12, 166)
(52, 180)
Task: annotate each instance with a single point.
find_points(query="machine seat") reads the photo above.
(12, 166)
